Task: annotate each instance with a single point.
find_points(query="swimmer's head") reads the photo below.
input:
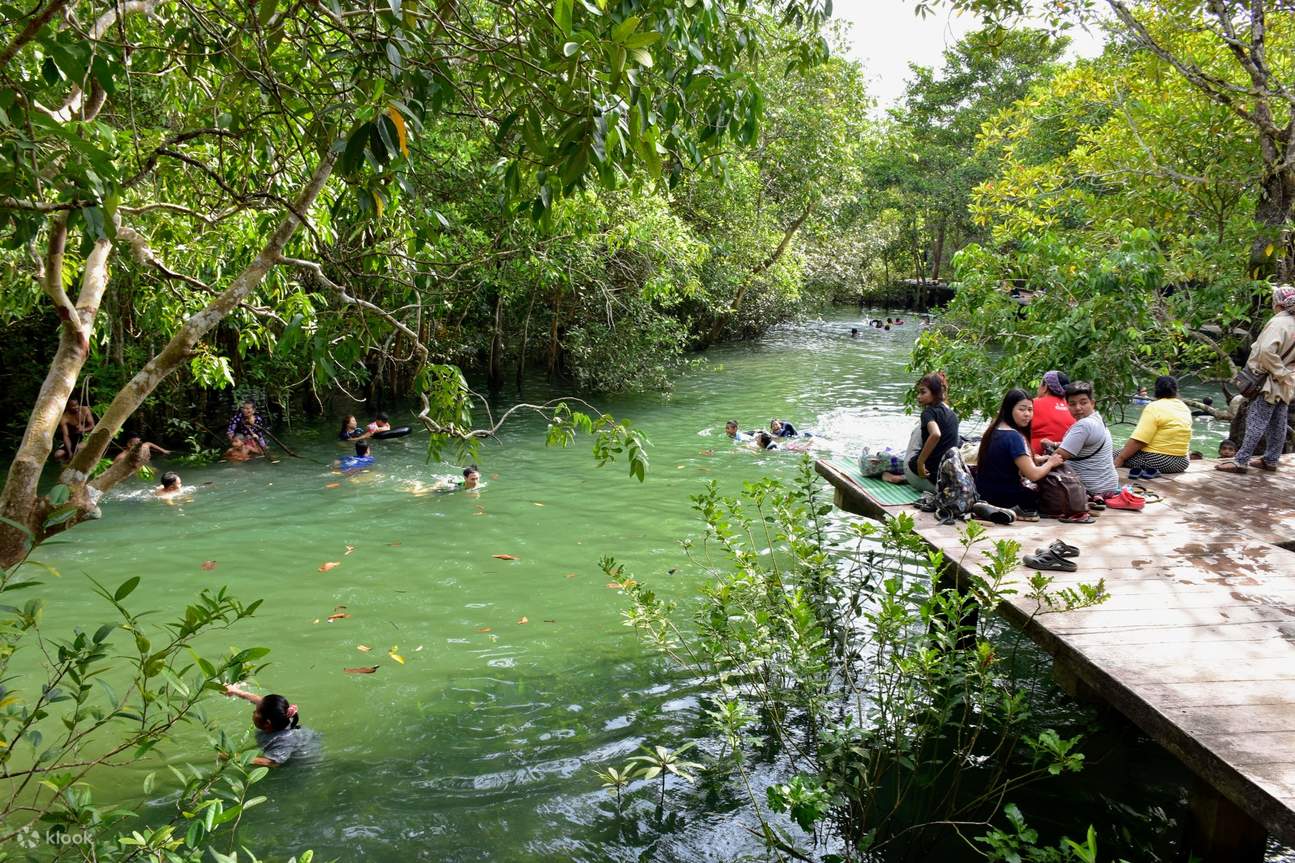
(133, 440)
(275, 713)
(763, 440)
(1228, 448)
(730, 428)
(381, 417)
(171, 480)
(361, 449)
(471, 476)
(775, 426)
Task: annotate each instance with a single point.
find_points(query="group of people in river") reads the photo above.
(781, 435)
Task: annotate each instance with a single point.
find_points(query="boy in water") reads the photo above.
(730, 430)
(239, 450)
(1228, 449)
(170, 487)
(380, 423)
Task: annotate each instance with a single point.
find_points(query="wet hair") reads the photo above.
(361, 448)
(764, 439)
(854, 331)
(381, 417)
(936, 384)
(1166, 387)
(346, 420)
(1079, 388)
(1208, 400)
(732, 423)
(886, 327)
(471, 469)
(73, 400)
(131, 438)
(1230, 443)
(170, 479)
(1014, 397)
(274, 710)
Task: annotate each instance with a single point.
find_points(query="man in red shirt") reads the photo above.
(1052, 417)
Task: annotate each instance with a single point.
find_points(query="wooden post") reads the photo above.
(1220, 831)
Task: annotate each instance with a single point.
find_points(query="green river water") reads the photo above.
(483, 744)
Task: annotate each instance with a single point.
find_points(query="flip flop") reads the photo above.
(1096, 503)
(989, 512)
(1263, 465)
(1023, 514)
(1232, 467)
(1077, 518)
(1060, 548)
(1049, 561)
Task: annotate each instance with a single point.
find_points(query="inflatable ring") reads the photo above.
(390, 433)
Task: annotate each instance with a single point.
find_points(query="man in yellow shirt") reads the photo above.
(1163, 437)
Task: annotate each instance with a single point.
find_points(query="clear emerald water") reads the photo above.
(519, 678)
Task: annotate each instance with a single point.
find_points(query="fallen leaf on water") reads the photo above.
(523, 619)
(537, 503)
(615, 585)
(482, 512)
(708, 452)
(396, 656)
(483, 629)
(341, 615)
(571, 575)
(680, 466)
(363, 648)
(503, 557)
(363, 669)
(549, 620)
(209, 565)
(316, 620)
(393, 544)
(325, 567)
(333, 485)
(349, 549)
(339, 608)
(418, 648)
(622, 585)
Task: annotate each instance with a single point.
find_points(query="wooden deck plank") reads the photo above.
(1197, 643)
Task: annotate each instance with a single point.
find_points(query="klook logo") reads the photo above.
(27, 838)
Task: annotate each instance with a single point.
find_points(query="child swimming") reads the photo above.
(278, 727)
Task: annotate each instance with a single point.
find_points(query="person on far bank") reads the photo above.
(1163, 436)
(939, 427)
(1267, 414)
(248, 424)
(1005, 459)
(1052, 417)
(1088, 449)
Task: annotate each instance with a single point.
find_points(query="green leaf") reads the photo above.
(126, 588)
(622, 31)
(562, 15)
(642, 57)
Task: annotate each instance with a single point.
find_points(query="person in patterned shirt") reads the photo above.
(248, 425)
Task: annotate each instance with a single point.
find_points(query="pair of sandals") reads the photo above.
(1054, 558)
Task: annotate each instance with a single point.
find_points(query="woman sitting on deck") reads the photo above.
(1005, 460)
(1163, 436)
(939, 429)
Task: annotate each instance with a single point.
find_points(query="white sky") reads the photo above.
(887, 35)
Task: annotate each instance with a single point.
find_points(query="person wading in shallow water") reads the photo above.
(1271, 354)
(248, 425)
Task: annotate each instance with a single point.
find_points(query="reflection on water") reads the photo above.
(519, 677)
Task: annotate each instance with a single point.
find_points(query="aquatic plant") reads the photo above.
(862, 662)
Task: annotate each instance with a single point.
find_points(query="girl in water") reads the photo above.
(278, 727)
(351, 430)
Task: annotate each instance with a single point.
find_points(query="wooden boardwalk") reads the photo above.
(1196, 644)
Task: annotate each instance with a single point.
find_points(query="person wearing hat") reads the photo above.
(1267, 414)
(1052, 417)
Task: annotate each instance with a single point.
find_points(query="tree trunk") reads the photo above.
(759, 269)
(19, 501)
(495, 369)
(937, 255)
(521, 354)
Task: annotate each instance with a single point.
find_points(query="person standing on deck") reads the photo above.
(1268, 411)
(1052, 417)
(1163, 437)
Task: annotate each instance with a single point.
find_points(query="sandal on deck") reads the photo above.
(1232, 467)
(1077, 518)
(1095, 503)
(1060, 548)
(1049, 561)
(1263, 465)
(989, 512)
